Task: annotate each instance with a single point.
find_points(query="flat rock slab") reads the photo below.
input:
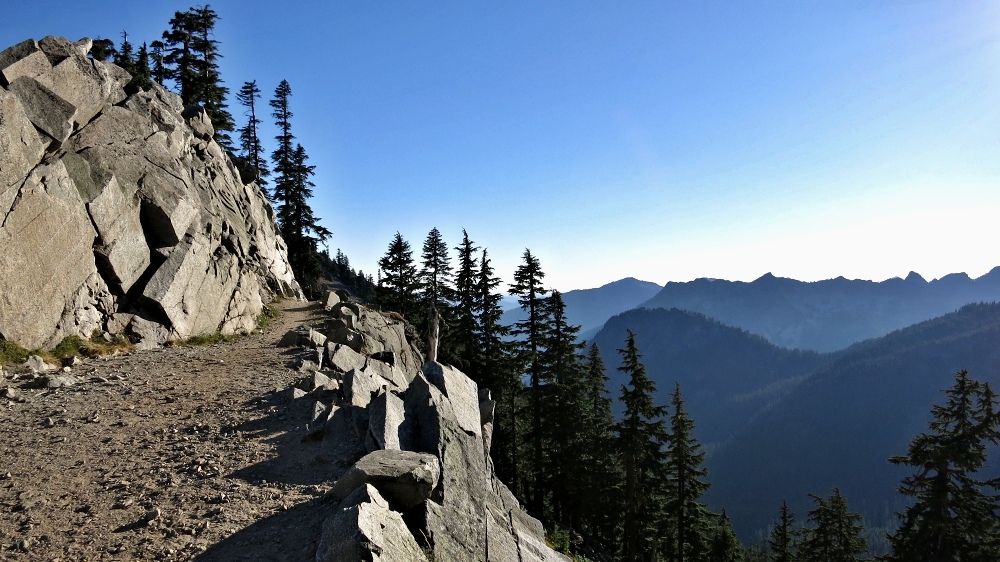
(404, 478)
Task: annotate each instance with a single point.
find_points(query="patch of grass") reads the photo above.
(11, 353)
(203, 339)
(558, 540)
(71, 346)
(267, 316)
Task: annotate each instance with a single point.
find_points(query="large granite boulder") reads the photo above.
(121, 214)
(365, 528)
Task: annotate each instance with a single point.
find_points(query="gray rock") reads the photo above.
(31, 66)
(14, 53)
(387, 372)
(361, 386)
(316, 339)
(58, 48)
(59, 380)
(461, 391)
(386, 415)
(346, 336)
(331, 300)
(365, 528)
(121, 250)
(36, 364)
(199, 122)
(342, 358)
(46, 110)
(404, 478)
(86, 85)
(21, 147)
(291, 337)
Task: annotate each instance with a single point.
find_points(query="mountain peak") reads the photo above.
(913, 277)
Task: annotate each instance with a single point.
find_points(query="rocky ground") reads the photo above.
(182, 453)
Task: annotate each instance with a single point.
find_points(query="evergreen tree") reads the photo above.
(103, 49)
(124, 57)
(436, 290)
(724, 546)
(495, 368)
(782, 541)
(836, 534)
(398, 284)
(641, 438)
(193, 56)
(299, 226)
(563, 430)
(603, 478)
(158, 71)
(465, 349)
(251, 148)
(282, 157)
(141, 75)
(528, 288)
(686, 479)
(955, 515)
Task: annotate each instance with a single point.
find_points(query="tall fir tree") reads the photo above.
(465, 349)
(723, 545)
(563, 429)
(603, 477)
(782, 541)
(496, 369)
(142, 78)
(299, 225)
(835, 533)
(955, 515)
(530, 293)
(397, 285)
(192, 52)
(251, 149)
(124, 57)
(158, 69)
(686, 479)
(437, 293)
(641, 437)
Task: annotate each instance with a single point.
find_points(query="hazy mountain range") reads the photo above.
(826, 315)
(780, 424)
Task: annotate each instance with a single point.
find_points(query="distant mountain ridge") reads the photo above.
(826, 315)
(589, 308)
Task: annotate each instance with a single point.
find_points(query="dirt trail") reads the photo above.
(174, 454)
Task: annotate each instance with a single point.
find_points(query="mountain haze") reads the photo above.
(590, 308)
(826, 315)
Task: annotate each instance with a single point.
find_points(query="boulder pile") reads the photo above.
(415, 442)
(119, 214)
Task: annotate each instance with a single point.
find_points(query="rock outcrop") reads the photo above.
(119, 213)
(414, 440)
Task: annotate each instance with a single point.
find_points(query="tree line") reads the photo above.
(186, 58)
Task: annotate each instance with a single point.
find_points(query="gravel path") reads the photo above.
(174, 454)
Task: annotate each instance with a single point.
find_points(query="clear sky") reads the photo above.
(661, 140)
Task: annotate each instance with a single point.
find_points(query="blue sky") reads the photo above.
(661, 140)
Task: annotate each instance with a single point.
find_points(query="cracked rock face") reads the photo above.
(120, 214)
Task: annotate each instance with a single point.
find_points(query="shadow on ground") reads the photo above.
(290, 535)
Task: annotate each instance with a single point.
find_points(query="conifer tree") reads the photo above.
(465, 349)
(124, 56)
(251, 148)
(158, 71)
(724, 546)
(955, 515)
(782, 541)
(641, 438)
(398, 284)
(686, 479)
(496, 369)
(836, 534)
(530, 292)
(603, 478)
(141, 77)
(564, 398)
(103, 49)
(193, 56)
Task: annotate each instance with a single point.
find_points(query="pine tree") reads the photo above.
(436, 289)
(564, 398)
(193, 56)
(251, 148)
(284, 153)
(158, 72)
(641, 438)
(465, 350)
(782, 540)
(954, 515)
(836, 534)
(686, 479)
(141, 76)
(103, 49)
(528, 288)
(398, 284)
(724, 546)
(124, 57)
(603, 478)
(299, 226)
